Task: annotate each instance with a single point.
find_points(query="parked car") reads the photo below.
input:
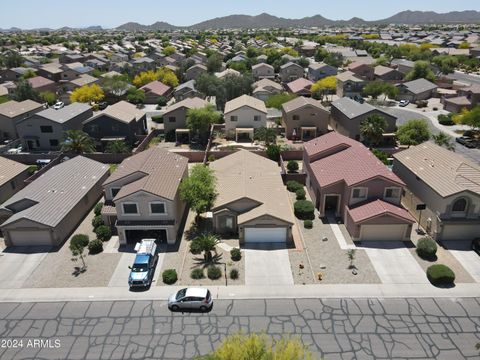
(403, 103)
(476, 245)
(58, 105)
(191, 299)
(102, 105)
(467, 142)
(359, 99)
(143, 268)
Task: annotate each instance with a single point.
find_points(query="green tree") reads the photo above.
(200, 120)
(381, 155)
(374, 89)
(276, 101)
(87, 94)
(442, 139)
(198, 190)
(12, 60)
(78, 142)
(205, 243)
(77, 245)
(116, 85)
(267, 135)
(446, 63)
(471, 118)
(324, 86)
(421, 70)
(49, 97)
(24, 91)
(292, 166)
(214, 63)
(273, 152)
(373, 128)
(135, 96)
(413, 132)
(29, 74)
(117, 147)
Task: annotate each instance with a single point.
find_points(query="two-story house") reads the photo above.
(175, 116)
(45, 130)
(318, 71)
(263, 89)
(11, 113)
(447, 184)
(142, 198)
(291, 71)
(263, 71)
(243, 115)
(346, 180)
(386, 73)
(349, 84)
(195, 71)
(362, 70)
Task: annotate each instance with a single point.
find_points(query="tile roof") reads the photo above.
(66, 113)
(84, 79)
(300, 102)
(419, 86)
(189, 103)
(348, 75)
(377, 208)
(352, 162)
(444, 171)
(247, 175)
(245, 100)
(55, 193)
(14, 108)
(353, 109)
(122, 111)
(161, 172)
(382, 70)
(9, 169)
(299, 85)
(263, 83)
(39, 81)
(156, 87)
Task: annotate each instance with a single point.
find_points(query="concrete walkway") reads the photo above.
(339, 235)
(267, 266)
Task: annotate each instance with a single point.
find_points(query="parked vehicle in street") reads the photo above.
(467, 142)
(403, 103)
(143, 267)
(191, 299)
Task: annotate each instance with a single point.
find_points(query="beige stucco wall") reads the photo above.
(309, 116)
(245, 116)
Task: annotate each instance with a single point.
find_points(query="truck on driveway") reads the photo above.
(143, 268)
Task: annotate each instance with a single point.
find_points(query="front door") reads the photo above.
(331, 204)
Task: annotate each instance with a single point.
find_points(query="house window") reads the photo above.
(392, 193)
(157, 208)
(359, 193)
(114, 191)
(130, 208)
(53, 142)
(46, 129)
(256, 118)
(296, 117)
(459, 206)
(233, 118)
(172, 119)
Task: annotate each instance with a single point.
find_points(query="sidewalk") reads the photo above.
(245, 292)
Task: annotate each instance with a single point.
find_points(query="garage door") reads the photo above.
(265, 235)
(30, 238)
(134, 236)
(383, 232)
(460, 232)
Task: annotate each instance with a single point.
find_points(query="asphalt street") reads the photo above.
(333, 328)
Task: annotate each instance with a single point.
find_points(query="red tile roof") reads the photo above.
(299, 84)
(378, 208)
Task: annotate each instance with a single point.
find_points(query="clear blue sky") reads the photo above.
(111, 13)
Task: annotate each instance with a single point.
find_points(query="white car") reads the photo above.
(191, 299)
(403, 103)
(58, 105)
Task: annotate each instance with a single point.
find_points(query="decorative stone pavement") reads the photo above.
(333, 328)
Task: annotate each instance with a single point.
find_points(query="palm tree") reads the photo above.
(372, 129)
(117, 147)
(268, 135)
(205, 243)
(78, 142)
(442, 139)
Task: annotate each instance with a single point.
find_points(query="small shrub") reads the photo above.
(435, 108)
(195, 247)
(422, 104)
(426, 248)
(162, 101)
(103, 232)
(95, 246)
(97, 221)
(98, 208)
(292, 166)
(158, 119)
(197, 274)
(214, 272)
(293, 185)
(234, 274)
(211, 158)
(304, 210)
(169, 276)
(440, 275)
(170, 136)
(273, 152)
(32, 169)
(236, 254)
(80, 239)
(308, 224)
(445, 120)
(300, 194)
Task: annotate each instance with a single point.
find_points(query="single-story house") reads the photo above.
(243, 115)
(263, 89)
(386, 73)
(41, 84)
(467, 98)
(186, 90)
(416, 90)
(195, 71)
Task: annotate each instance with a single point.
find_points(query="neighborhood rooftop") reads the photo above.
(9, 169)
(66, 113)
(14, 108)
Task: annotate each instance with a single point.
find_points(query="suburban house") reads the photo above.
(416, 90)
(252, 200)
(186, 90)
(120, 121)
(243, 115)
(51, 71)
(318, 71)
(143, 64)
(346, 180)
(12, 178)
(156, 90)
(467, 98)
(50, 208)
(449, 186)
(175, 116)
(362, 70)
(403, 65)
(45, 130)
(304, 118)
(265, 88)
(41, 84)
(347, 116)
(11, 113)
(263, 71)
(195, 71)
(142, 197)
(291, 71)
(349, 84)
(300, 87)
(386, 73)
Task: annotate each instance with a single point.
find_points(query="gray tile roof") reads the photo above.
(14, 108)
(122, 111)
(9, 169)
(419, 86)
(66, 113)
(58, 191)
(352, 108)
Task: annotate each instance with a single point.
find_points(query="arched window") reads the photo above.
(460, 205)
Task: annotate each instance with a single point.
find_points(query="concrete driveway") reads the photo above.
(18, 264)
(469, 259)
(267, 264)
(394, 263)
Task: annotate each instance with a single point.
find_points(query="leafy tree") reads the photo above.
(78, 142)
(303, 62)
(198, 190)
(117, 147)
(214, 63)
(292, 166)
(277, 100)
(421, 70)
(413, 132)
(381, 155)
(382, 60)
(464, 45)
(321, 54)
(470, 118)
(169, 50)
(164, 75)
(116, 85)
(49, 97)
(324, 86)
(236, 86)
(446, 63)
(442, 139)
(373, 128)
(205, 243)
(77, 245)
(135, 96)
(12, 60)
(267, 135)
(29, 74)
(87, 94)
(209, 85)
(24, 91)
(334, 59)
(379, 87)
(273, 152)
(200, 120)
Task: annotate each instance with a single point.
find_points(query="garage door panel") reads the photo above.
(460, 232)
(134, 236)
(273, 235)
(30, 238)
(383, 232)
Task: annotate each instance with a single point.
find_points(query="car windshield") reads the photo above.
(181, 294)
(139, 267)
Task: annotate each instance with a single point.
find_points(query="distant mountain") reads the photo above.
(431, 17)
(158, 26)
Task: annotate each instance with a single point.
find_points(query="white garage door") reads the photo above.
(460, 232)
(265, 235)
(383, 232)
(30, 238)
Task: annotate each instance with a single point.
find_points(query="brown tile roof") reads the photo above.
(378, 208)
(39, 81)
(123, 111)
(300, 102)
(189, 103)
(9, 169)
(348, 75)
(245, 100)
(444, 171)
(299, 85)
(157, 87)
(247, 175)
(14, 108)
(161, 172)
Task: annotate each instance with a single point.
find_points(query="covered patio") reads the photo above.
(243, 134)
(182, 136)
